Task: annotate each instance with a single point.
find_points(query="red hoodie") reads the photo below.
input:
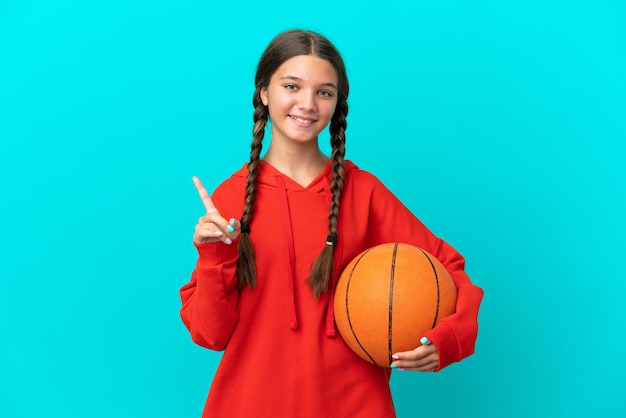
(282, 355)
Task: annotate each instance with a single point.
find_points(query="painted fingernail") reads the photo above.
(228, 241)
(424, 340)
(218, 233)
(233, 221)
(230, 228)
(393, 366)
(395, 357)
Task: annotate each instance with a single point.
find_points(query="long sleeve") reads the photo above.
(209, 300)
(455, 335)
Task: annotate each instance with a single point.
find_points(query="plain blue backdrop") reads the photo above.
(500, 124)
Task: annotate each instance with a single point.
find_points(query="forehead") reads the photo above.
(308, 68)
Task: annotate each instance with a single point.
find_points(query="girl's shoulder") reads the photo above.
(359, 177)
(228, 195)
(233, 185)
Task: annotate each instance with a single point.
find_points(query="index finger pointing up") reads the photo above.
(204, 196)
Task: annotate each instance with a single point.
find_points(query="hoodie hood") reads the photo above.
(269, 176)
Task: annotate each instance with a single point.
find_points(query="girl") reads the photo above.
(262, 289)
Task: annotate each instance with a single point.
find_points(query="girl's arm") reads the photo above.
(209, 300)
(454, 337)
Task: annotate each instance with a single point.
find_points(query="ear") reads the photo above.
(263, 93)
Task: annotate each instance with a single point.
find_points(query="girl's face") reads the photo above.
(301, 98)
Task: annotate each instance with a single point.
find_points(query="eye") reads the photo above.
(325, 93)
(291, 86)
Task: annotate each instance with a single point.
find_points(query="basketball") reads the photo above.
(388, 297)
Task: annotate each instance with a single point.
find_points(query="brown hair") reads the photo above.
(283, 47)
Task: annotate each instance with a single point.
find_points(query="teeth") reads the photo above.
(302, 120)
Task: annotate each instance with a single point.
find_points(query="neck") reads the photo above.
(302, 165)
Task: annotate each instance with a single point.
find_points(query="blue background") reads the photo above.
(500, 124)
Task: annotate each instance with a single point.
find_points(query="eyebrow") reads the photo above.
(294, 78)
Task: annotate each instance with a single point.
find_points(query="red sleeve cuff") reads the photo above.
(216, 252)
(455, 336)
(447, 345)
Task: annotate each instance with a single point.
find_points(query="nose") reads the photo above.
(308, 100)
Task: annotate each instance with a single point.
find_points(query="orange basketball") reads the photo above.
(388, 297)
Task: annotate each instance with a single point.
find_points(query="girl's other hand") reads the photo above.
(212, 227)
(424, 358)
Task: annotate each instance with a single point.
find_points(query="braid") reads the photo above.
(322, 270)
(246, 267)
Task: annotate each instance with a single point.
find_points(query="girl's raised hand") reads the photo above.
(212, 227)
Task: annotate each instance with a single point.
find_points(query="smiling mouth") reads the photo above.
(301, 120)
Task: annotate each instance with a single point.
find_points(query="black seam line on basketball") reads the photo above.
(391, 278)
(438, 290)
(348, 310)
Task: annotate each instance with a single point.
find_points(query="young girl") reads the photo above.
(273, 241)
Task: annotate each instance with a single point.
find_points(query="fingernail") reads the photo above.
(395, 357)
(230, 228)
(233, 221)
(218, 233)
(424, 340)
(228, 241)
(393, 366)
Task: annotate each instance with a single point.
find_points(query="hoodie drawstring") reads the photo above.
(288, 235)
(287, 230)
